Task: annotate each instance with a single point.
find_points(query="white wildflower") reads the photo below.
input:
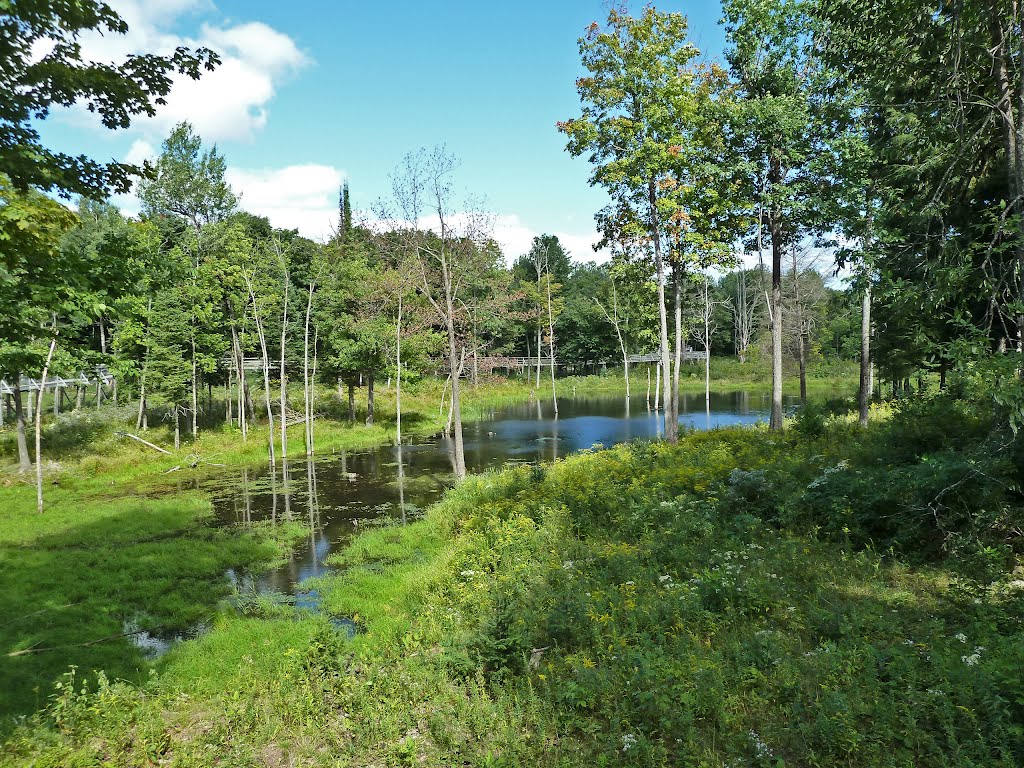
(628, 742)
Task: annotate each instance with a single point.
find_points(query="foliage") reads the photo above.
(44, 66)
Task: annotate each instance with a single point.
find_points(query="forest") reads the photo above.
(744, 488)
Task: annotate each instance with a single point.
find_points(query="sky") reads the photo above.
(312, 93)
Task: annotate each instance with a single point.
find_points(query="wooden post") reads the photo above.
(56, 400)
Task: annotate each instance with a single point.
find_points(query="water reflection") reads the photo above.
(334, 492)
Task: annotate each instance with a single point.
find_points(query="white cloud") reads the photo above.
(303, 197)
(232, 101)
(140, 152)
(516, 238)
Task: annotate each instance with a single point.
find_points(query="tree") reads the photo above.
(447, 255)
(937, 97)
(186, 196)
(43, 66)
(771, 65)
(635, 102)
(188, 184)
(34, 286)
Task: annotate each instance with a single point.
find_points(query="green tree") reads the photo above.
(770, 60)
(43, 67)
(636, 99)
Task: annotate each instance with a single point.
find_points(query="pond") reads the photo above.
(337, 492)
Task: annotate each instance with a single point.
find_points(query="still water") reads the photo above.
(338, 491)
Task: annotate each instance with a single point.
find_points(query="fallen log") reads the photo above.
(144, 442)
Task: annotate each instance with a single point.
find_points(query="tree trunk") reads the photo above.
(671, 427)
(284, 375)
(657, 387)
(678, 316)
(229, 398)
(455, 365)
(177, 428)
(538, 357)
(801, 336)
(351, 402)
(312, 392)
(398, 389)
(266, 369)
(776, 301)
(307, 411)
(551, 346)
(195, 392)
(864, 393)
(24, 461)
(39, 420)
(1013, 127)
(369, 398)
(707, 346)
(142, 400)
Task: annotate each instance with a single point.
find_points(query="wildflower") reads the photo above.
(761, 749)
(628, 742)
(974, 658)
(666, 578)
(961, 637)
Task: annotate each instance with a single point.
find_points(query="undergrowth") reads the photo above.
(827, 597)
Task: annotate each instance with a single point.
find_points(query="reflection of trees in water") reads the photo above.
(401, 483)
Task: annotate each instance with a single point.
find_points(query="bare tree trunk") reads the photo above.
(369, 398)
(266, 369)
(677, 290)
(306, 409)
(551, 346)
(284, 376)
(648, 387)
(39, 420)
(671, 427)
(776, 310)
(24, 461)
(312, 393)
(56, 401)
(864, 394)
(742, 327)
(351, 402)
(1013, 133)
(398, 386)
(142, 400)
(707, 346)
(538, 356)
(195, 391)
(177, 428)
(801, 339)
(456, 368)
(657, 387)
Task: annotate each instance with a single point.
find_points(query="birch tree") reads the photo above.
(445, 245)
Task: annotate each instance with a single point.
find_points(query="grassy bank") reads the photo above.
(121, 547)
(819, 598)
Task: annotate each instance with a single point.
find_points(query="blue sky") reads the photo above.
(311, 92)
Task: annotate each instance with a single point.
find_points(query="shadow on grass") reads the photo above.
(70, 596)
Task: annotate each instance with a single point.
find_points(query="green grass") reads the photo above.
(645, 605)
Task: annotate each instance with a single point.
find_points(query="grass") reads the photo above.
(121, 547)
(645, 605)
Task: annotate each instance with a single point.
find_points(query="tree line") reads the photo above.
(887, 134)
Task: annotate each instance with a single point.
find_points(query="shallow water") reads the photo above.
(336, 491)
